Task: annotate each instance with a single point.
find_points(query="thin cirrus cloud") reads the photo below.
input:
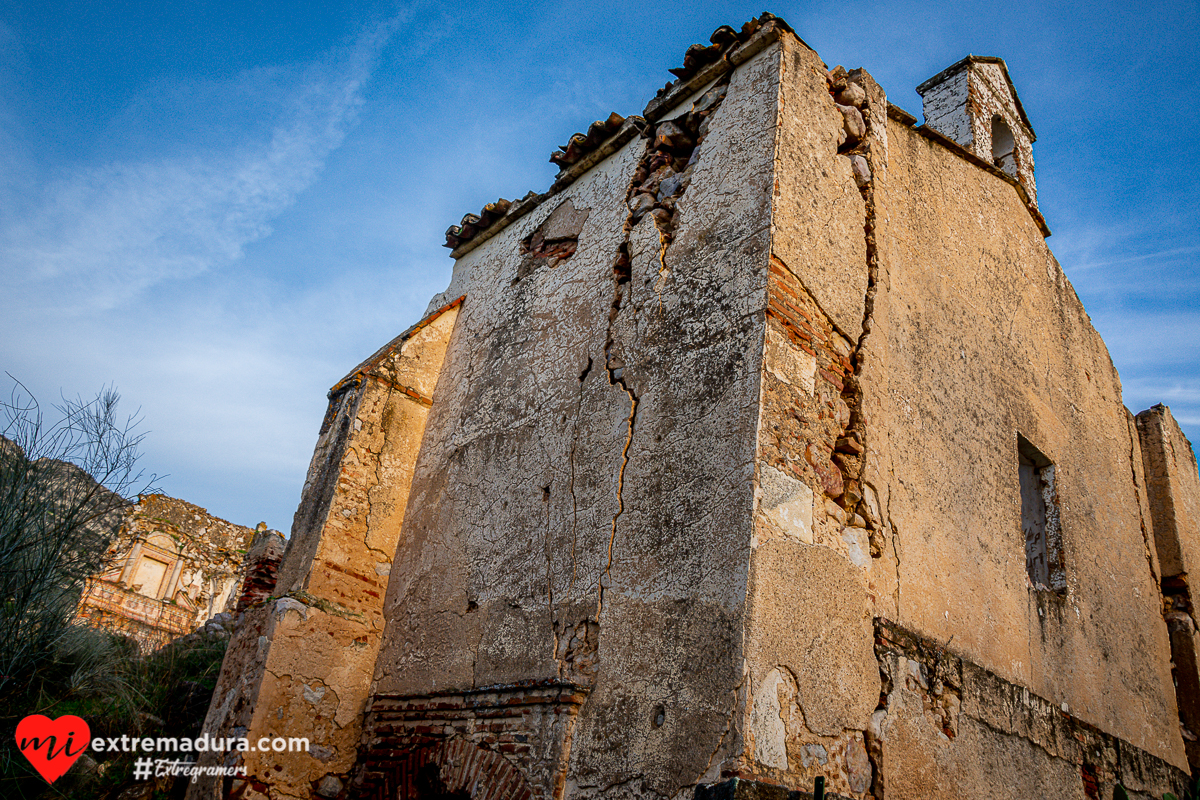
(95, 237)
(99, 267)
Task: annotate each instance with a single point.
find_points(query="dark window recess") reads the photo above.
(1039, 519)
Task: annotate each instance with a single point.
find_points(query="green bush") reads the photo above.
(100, 676)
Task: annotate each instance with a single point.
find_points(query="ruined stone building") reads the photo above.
(770, 443)
(175, 567)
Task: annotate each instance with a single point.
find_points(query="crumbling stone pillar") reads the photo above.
(261, 567)
(1173, 486)
(299, 664)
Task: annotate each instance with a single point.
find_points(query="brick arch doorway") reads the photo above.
(457, 770)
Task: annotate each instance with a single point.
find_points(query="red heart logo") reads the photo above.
(52, 745)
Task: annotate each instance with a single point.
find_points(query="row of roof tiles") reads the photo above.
(723, 41)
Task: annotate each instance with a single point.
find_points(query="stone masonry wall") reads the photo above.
(1173, 493)
(299, 665)
(581, 510)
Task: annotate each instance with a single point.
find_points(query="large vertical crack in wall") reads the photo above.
(614, 380)
(571, 486)
(615, 370)
(854, 103)
(854, 95)
(659, 181)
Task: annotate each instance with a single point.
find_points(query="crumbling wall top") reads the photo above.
(702, 64)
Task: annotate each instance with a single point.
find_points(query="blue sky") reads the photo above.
(222, 208)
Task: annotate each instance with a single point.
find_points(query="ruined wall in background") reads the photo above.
(1173, 494)
(176, 566)
(260, 569)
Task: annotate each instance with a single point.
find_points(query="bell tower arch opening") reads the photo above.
(1003, 146)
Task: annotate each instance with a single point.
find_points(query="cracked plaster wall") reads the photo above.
(817, 228)
(813, 681)
(581, 510)
(983, 337)
(675, 474)
(901, 360)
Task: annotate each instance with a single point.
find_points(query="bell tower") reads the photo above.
(974, 103)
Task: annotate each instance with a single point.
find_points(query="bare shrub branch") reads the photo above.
(64, 486)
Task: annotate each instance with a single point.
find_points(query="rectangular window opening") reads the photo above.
(1039, 519)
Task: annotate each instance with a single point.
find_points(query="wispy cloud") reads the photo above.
(99, 235)
(95, 267)
(1169, 391)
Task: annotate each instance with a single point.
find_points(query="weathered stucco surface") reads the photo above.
(585, 490)
(946, 109)
(817, 228)
(719, 489)
(808, 622)
(982, 338)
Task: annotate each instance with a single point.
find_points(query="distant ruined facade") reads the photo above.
(175, 567)
(771, 443)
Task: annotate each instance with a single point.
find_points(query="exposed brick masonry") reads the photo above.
(448, 742)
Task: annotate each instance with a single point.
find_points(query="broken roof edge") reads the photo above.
(962, 64)
(933, 134)
(190, 508)
(630, 128)
(767, 29)
(375, 358)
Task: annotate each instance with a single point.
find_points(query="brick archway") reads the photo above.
(455, 770)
